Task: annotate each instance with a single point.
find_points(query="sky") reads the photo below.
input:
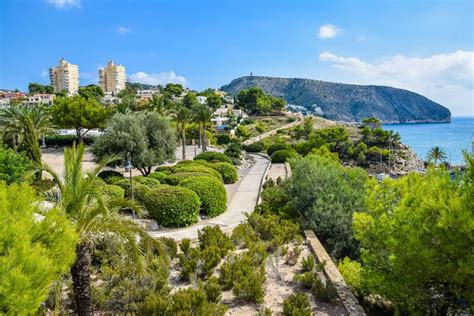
(422, 46)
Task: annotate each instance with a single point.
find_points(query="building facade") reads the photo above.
(65, 77)
(41, 98)
(112, 78)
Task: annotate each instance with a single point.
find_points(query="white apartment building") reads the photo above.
(40, 98)
(112, 78)
(65, 77)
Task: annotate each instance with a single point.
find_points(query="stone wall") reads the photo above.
(332, 274)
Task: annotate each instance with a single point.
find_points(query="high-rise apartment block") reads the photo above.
(65, 77)
(112, 78)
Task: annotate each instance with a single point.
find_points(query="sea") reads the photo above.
(453, 137)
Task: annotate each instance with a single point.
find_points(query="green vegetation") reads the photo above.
(202, 115)
(13, 166)
(34, 88)
(256, 101)
(78, 113)
(182, 116)
(173, 206)
(228, 172)
(281, 156)
(147, 136)
(436, 154)
(211, 155)
(297, 305)
(210, 191)
(34, 252)
(91, 91)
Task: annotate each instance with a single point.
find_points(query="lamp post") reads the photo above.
(129, 167)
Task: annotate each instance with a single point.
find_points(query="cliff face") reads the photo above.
(347, 102)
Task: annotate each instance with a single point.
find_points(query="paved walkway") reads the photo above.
(244, 199)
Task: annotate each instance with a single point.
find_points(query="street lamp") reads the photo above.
(129, 167)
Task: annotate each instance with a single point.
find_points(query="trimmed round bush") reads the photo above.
(160, 176)
(109, 173)
(111, 190)
(112, 179)
(98, 182)
(197, 169)
(275, 147)
(139, 191)
(146, 181)
(228, 172)
(176, 178)
(253, 148)
(281, 156)
(124, 184)
(165, 169)
(211, 155)
(211, 192)
(173, 206)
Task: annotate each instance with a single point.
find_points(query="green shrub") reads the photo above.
(150, 182)
(293, 255)
(253, 148)
(112, 179)
(211, 192)
(212, 155)
(222, 138)
(213, 290)
(232, 150)
(170, 246)
(213, 236)
(109, 173)
(139, 191)
(13, 166)
(228, 172)
(244, 235)
(164, 169)
(245, 279)
(297, 305)
(43, 185)
(173, 206)
(278, 146)
(308, 263)
(160, 176)
(66, 140)
(324, 292)
(111, 190)
(124, 184)
(196, 169)
(281, 156)
(176, 178)
(189, 301)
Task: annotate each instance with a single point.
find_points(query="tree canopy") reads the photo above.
(417, 246)
(34, 87)
(36, 248)
(174, 89)
(91, 91)
(147, 136)
(255, 101)
(78, 113)
(13, 165)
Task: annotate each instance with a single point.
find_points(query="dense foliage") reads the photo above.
(417, 242)
(36, 248)
(228, 172)
(173, 206)
(211, 192)
(255, 101)
(13, 165)
(281, 156)
(212, 155)
(147, 136)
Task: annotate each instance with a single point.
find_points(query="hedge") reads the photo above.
(212, 155)
(173, 206)
(65, 140)
(228, 172)
(275, 147)
(253, 148)
(197, 168)
(150, 182)
(109, 173)
(211, 192)
(113, 179)
(111, 190)
(176, 178)
(165, 169)
(139, 191)
(281, 156)
(124, 184)
(160, 176)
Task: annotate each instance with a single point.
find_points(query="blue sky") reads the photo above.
(424, 46)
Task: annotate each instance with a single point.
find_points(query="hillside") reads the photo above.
(347, 102)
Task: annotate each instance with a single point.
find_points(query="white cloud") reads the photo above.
(123, 30)
(444, 78)
(44, 73)
(328, 31)
(64, 4)
(158, 78)
(361, 38)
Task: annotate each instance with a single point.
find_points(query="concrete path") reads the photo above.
(244, 199)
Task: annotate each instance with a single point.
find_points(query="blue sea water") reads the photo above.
(452, 137)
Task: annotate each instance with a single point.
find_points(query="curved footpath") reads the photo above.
(244, 197)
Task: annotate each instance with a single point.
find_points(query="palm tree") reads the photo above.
(95, 216)
(157, 104)
(203, 116)
(182, 116)
(25, 124)
(436, 154)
